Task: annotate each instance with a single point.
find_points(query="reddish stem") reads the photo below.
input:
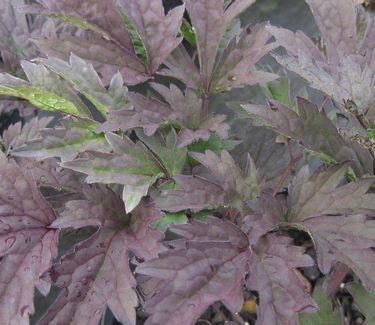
(325, 100)
(285, 175)
(205, 106)
(333, 282)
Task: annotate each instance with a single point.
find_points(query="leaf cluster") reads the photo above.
(135, 163)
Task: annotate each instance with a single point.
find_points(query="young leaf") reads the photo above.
(76, 136)
(262, 145)
(209, 24)
(27, 244)
(181, 67)
(164, 146)
(233, 68)
(229, 175)
(157, 30)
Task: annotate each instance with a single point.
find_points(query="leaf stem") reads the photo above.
(205, 106)
(333, 282)
(321, 107)
(288, 169)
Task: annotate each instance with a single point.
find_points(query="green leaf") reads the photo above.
(371, 134)
(170, 219)
(138, 44)
(80, 23)
(131, 164)
(365, 301)
(76, 136)
(278, 90)
(164, 146)
(44, 90)
(233, 29)
(214, 143)
(85, 79)
(188, 34)
(325, 315)
(42, 99)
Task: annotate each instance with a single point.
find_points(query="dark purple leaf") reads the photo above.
(273, 274)
(313, 130)
(27, 244)
(97, 273)
(241, 54)
(209, 264)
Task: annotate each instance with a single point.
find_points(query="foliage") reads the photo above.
(166, 220)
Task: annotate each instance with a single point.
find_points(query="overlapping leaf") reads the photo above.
(15, 44)
(242, 53)
(313, 130)
(337, 217)
(27, 244)
(182, 108)
(16, 136)
(97, 273)
(85, 79)
(118, 32)
(364, 300)
(209, 265)
(211, 23)
(273, 274)
(347, 70)
(44, 90)
(262, 145)
(157, 30)
(131, 165)
(110, 47)
(164, 146)
(76, 136)
(321, 194)
(326, 313)
(230, 186)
